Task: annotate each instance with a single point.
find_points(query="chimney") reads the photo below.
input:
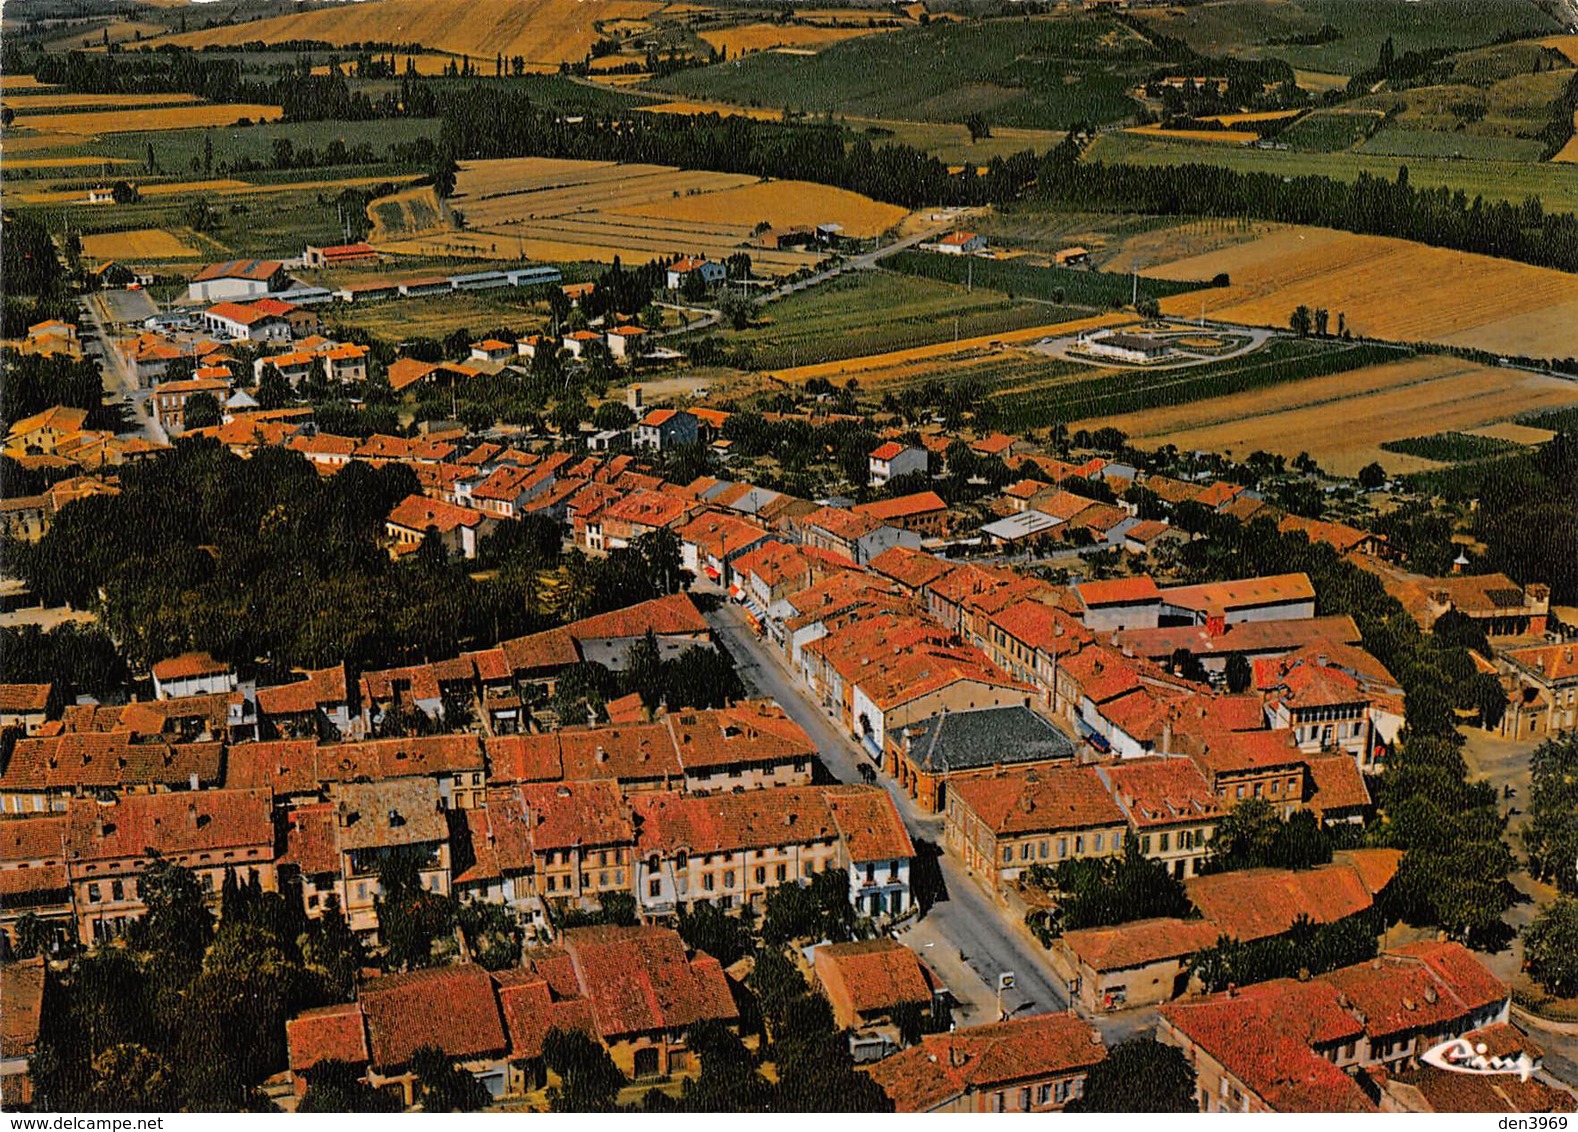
(191, 812)
(1320, 659)
(191, 781)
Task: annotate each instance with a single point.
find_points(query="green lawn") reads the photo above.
(1556, 185)
(1037, 73)
(874, 312)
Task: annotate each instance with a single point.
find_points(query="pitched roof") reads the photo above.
(1250, 904)
(873, 975)
(1118, 591)
(570, 814)
(453, 1008)
(1241, 593)
(531, 1010)
(258, 270)
(1040, 799)
(328, 1033)
(754, 731)
(1139, 943)
(641, 979)
(175, 823)
(1418, 987)
(983, 1058)
(673, 615)
(24, 697)
(78, 761)
(904, 506)
(22, 989)
(887, 451)
(396, 811)
(418, 512)
(1265, 1036)
(1161, 791)
(187, 666)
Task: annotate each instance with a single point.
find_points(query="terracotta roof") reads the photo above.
(673, 615)
(418, 512)
(531, 1010)
(175, 823)
(22, 988)
(20, 698)
(640, 979)
(1250, 904)
(76, 761)
(887, 451)
(1265, 1036)
(1337, 783)
(1246, 637)
(38, 838)
(1041, 799)
(1140, 942)
(571, 814)
(1418, 987)
(329, 1033)
(872, 976)
(187, 666)
(1443, 1091)
(1157, 792)
(841, 524)
(312, 841)
(259, 270)
(904, 507)
(1242, 593)
(1119, 591)
(322, 686)
(755, 731)
(870, 824)
(913, 569)
(979, 1059)
(1549, 662)
(453, 1008)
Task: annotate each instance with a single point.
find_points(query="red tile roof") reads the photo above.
(318, 687)
(1418, 987)
(756, 731)
(418, 512)
(640, 980)
(567, 815)
(1139, 943)
(176, 823)
(258, 270)
(984, 1058)
(1156, 792)
(21, 698)
(1250, 904)
(1242, 593)
(453, 1008)
(1039, 799)
(1118, 591)
(674, 615)
(329, 1033)
(188, 665)
(872, 976)
(887, 451)
(76, 761)
(904, 507)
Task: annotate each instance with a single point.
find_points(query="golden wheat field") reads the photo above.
(1225, 137)
(25, 103)
(542, 31)
(723, 109)
(1256, 116)
(1342, 419)
(143, 243)
(133, 120)
(1566, 44)
(747, 38)
(23, 142)
(592, 210)
(1319, 82)
(1387, 288)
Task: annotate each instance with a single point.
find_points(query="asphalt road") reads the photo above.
(104, 311)
(964, 917)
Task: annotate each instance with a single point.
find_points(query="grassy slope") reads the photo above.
(1043, 73)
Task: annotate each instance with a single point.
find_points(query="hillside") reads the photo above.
(544, 32)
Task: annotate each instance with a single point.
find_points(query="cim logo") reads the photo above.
(1463, 1056)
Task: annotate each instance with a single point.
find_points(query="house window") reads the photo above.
(893, 870)
(805, 869)
(1042, 849)
(1024, 1099)
(553, 882)
(707, 881)
(728, 879)
(1043, 1094)
(1024, 851)
(1061, 1092)
(999, 1102)
(1163, 840)
(117, 890)
(1098, 842)
(654, 887)
(94, 895)
(1079, 845)
(1008, 854)
(783, 873)
(1062, 847)
(761, 875)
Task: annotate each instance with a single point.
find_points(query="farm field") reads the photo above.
(143, 243)
(1388, 288)
(1247, 27)
(545, 32)
(24, 104)
(749, 38)
(220, 187)
(1569, 152)
(399, 319)
(1494, 180)
(1210, 137)
(88, 123)
(1061, 71)
(1342, 420)
(550, 209)
(1016, 277)
(834, 321)
(75, 161)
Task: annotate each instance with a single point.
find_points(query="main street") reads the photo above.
(104, 312)
(964, 919)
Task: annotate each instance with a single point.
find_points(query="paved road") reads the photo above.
(866, 260)
(965, 919)
(118, 378)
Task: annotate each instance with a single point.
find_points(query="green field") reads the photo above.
(1246, 27)
(875, 312)
(1110, 394)
(1556, 185)
(1400, 141)
(1327, 132)
(1451, 447)
(478, 312)
(1078, 287)
(1036, 73)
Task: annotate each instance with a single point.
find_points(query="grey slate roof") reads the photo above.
(984, 737)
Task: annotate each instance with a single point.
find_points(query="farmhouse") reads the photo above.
(961, 243)
(1072, 257)
(891, 460)
(237, 279)
(340, 255)
(626, 341)
(663, 429)
(681, 270)
(577, 342)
